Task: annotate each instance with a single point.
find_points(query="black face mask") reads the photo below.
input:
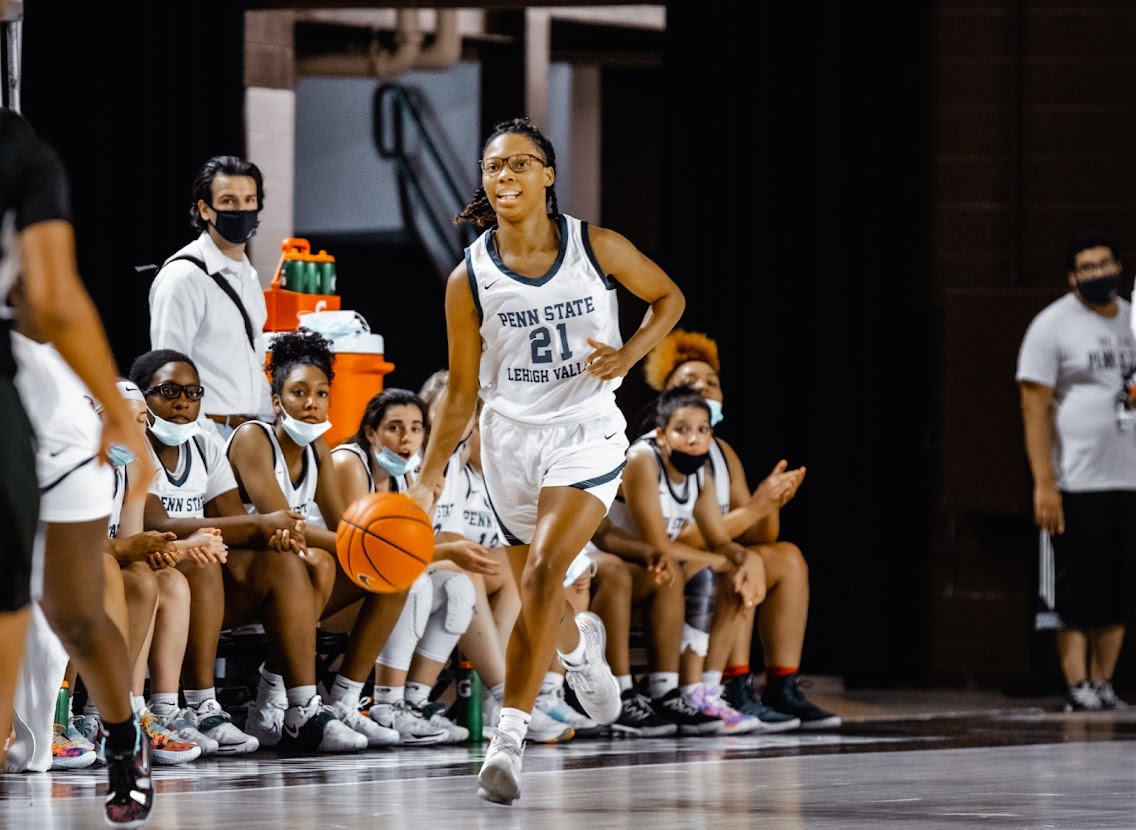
(1099, 291)
(686, 463)
(237, 226)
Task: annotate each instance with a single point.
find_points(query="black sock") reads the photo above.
(121, 737)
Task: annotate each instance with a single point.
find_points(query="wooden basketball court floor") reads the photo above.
(903, 759)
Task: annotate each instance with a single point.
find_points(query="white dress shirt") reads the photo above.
(191, 314)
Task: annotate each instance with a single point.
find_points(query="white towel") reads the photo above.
(41, 674)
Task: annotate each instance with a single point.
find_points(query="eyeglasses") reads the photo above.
(518, 163)
(1102, 267)
(172, 391)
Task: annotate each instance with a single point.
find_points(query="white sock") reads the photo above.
(515, 723)
(575, 657)
(389, 694)
(710, 679)
(417, 693)
(688, 689)
(138, 704)
(498, 692)
(624, 681)
(163, 702)
(270, 689)
(346, 689)
(661, 682)
(300, 695)
(195, 697)
(553, 680)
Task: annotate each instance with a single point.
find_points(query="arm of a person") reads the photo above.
(641, 495)
(458, 400)
(612, 538)
(1037, 421)
(620, 259)
(351, 476)
(65, 314)
(238, 528)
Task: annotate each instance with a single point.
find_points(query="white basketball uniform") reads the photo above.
(477, 519)
(448, 505)
(201, 474)
(676, 500)
(397, 484)
(118, 497)
(721, 475)
(301, 494)
(547, 422)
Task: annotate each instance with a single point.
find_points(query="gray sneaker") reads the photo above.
(1107, 695)
(500, 778)
(595, 686)
(1082, 698)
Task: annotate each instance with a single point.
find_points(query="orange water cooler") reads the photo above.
(359, 370)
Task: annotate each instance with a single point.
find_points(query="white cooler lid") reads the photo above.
(358, 343)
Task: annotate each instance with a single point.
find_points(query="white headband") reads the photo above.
(129, 391)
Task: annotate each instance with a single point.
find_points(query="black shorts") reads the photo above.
(19, 499)
(1095, 559)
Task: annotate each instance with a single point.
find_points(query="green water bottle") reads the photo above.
(327, 281)
(467, 708)
(291, 274)
(63, 705)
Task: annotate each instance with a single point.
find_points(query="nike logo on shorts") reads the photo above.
(609, 437)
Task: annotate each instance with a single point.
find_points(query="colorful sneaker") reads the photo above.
(738, 692)
(638, 718)
(164, 747)
(784, 694)
(91, 729)
(412, 728)
(691, 721)
(435, 715)
(544, 729)
(1082, 698)
(500, 778)
(130, 794)
(176, 720)
(212, 721)
(375, 734)
(66, 753)
(708, 700)
(595, 686)
(314, 727)
(554, 705)
(1107, 695)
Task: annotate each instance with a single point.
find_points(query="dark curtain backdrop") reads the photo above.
(794, 212)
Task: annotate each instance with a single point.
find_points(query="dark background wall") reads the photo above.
(863, 206)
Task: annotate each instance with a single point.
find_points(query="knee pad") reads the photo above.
(700, 590)
(420, 601)
(695, 640)
(411, 626)
(455, 593)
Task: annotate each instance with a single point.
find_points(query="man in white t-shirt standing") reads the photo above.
(207, 300)
(1074, 368)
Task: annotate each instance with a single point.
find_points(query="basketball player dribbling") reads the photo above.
(533, 327)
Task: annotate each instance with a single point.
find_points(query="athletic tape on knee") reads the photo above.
(457, 592)
(695, 640)
(699, 594)
(411, 626)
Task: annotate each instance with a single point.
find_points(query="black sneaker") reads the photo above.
(674, 707)
(639, 719)
(738, 692)
(130, 794)
(784, 694)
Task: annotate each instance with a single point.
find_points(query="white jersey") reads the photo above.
(477, 518)
(447, 507)
(721, 475)
(534, 331)
(119, 496)
(202, 473)
(676, 500)
(300, 495)
(396, 484)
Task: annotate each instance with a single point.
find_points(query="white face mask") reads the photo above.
(394, 463)
(302, 432)
(715, 411)
(171, 434)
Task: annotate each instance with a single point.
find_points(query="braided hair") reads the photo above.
(479, 212)
(298, 348)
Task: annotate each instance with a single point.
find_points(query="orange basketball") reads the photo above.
(384, 542)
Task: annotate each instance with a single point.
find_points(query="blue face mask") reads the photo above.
(715, 412)
(171, 434)
(120, 455)
(394, 463)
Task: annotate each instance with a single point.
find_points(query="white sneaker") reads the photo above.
(412, 728)
(544, 729)
(375, 734)
(595, 686)
(266, 723)
(435, 715)
(500, 778)
(176, 720)
(214, 722)
(554, 705)
(315, 727)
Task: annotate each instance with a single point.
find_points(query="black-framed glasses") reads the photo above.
(172, 391)
(518, 163)
(1105, 266)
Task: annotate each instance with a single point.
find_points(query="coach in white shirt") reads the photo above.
(191, 310)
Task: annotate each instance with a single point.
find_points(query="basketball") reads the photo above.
(384, 542)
